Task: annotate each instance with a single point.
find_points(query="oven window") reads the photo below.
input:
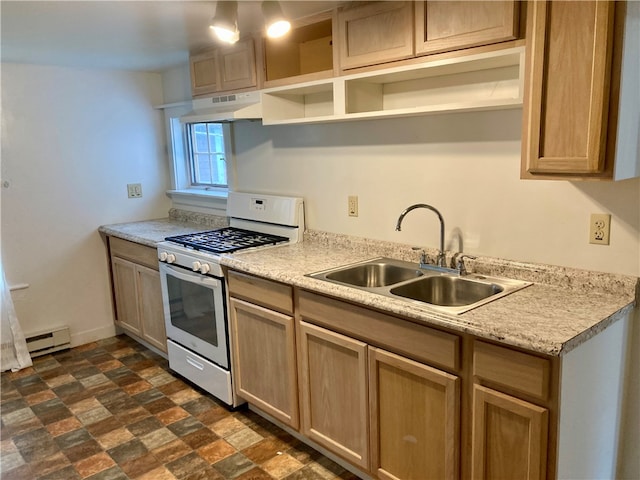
(192, 309)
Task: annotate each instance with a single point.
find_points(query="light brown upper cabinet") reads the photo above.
(224, 69)
(373, 33)
(443, 26)
(305, 54)
(577, 123)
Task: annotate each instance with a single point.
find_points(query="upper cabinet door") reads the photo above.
(237, 65)
(374, 33)
(567, 88)
(444, 26)
(204, 73)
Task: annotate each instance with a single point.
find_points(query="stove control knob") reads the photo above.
(163, 256)
(204, 268)
(171, 258)
(195, 266)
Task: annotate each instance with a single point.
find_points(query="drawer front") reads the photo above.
(135, 252)
(200, 371)
(511, 369)
(406, 338)
(267, 293)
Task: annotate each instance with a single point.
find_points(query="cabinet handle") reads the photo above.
(195, 364)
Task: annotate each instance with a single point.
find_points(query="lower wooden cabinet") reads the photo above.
(264, 359)
(509, 438)
(334, 399)
(137, 292)
(397, 400)
(415, 419)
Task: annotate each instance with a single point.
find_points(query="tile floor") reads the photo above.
(112, 410)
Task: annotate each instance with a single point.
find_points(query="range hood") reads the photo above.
(225, 108)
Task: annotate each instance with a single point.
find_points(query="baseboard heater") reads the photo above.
(50, 341)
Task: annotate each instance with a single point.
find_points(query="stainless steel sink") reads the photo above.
(442, 291)
(378, 274)
(447, 291)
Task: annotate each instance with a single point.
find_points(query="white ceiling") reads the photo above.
(130, 35)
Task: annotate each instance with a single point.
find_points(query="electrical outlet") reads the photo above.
(599, 227)
(134, 190)
(353, 205)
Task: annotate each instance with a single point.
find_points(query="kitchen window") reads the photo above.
(207, 155)
(201, 158)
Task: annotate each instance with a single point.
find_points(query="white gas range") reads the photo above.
(193, 287)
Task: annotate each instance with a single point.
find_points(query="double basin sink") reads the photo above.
(443, 291)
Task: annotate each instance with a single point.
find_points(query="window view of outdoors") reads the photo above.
(207, 155)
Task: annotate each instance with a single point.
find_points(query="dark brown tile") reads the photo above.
(212, 416)
(51, 411)
(207, 473)
(30, 385)
(159, 405)
(68, 389)
(133, 415)
(141, 365)
(145, 426)
(103, 426)
(172, 387)
(200, 438)
(82, 451)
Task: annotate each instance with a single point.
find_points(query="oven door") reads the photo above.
(194, 312)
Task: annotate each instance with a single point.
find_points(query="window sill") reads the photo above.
(199, 200)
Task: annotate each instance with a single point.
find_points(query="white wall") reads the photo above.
(71, 141)
(466, 165)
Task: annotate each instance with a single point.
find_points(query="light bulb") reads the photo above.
(278, 29)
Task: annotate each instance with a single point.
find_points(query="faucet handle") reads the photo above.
(424, 259)
(457, 262)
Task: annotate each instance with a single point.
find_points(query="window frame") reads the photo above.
(191, 155)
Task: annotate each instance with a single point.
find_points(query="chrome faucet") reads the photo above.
(440, 261)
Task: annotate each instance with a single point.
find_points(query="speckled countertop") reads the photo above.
(150, 232)
(561, 310)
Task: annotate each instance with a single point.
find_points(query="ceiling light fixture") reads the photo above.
(225, 21)
(276, 23)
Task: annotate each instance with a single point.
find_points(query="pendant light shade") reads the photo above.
(276, 23)
(225, 21)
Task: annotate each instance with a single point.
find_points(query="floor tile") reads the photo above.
(94, 464)
(113, 410)
(216, 451)
(281, 465)
(234, 466)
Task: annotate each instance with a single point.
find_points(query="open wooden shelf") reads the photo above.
(492, 80)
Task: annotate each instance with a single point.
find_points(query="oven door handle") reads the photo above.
(189, 276)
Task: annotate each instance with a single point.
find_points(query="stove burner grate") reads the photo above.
(226, 240)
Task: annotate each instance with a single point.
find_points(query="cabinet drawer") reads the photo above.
(395, 334)
(270, 294)
(134, 251)
(514, 370)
